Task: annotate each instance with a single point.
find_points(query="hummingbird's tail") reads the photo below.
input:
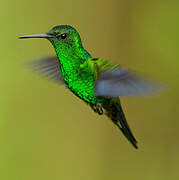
(114, 111)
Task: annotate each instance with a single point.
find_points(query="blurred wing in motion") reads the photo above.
(123, 83)
(48, 67)
(113, 81)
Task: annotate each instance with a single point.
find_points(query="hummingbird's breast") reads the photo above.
(80, 80)
(81, 83)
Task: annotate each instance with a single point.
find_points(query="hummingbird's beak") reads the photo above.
(36, 36)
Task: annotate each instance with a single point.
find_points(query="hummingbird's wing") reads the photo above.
(115, 81)
(48, 67)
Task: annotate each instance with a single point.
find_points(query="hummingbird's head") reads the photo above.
(62, 37)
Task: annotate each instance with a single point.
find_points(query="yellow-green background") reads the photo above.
(46, 133)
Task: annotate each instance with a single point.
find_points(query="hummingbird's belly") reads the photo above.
(84, 88)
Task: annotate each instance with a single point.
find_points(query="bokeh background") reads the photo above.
(46, 133)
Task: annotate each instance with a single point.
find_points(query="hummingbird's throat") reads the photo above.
(69, 66)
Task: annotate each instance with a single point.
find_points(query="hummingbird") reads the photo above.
(98, 82)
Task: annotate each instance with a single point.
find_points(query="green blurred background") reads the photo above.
(46, 133)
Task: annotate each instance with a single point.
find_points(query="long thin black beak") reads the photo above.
(36, 36)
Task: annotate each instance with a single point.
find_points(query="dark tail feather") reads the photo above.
(115, 113)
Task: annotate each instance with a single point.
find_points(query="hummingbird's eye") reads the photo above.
(62, 36)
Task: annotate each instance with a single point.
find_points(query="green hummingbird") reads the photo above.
(98, 82)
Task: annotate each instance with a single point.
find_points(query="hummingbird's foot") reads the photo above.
(97, 108)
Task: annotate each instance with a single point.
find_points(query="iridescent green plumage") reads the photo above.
(96, 81)
(73, 58)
